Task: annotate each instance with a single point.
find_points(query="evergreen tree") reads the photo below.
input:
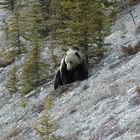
(45, 10)
(32, 74)
(11, 83)
(15, 45)
(29, 16)
(79, 22)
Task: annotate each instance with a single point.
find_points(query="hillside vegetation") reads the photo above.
(34, 36)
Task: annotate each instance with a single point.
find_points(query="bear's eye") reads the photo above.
(70, 62)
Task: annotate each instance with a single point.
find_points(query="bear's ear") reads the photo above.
(78, 55)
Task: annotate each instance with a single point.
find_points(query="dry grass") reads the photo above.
(137, 89)
(131, 50)
(131, 2)
(6, 61)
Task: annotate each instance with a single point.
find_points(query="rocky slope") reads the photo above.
(103, 107)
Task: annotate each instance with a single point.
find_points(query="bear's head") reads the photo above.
(73, 59)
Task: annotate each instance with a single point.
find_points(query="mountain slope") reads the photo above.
(103, 107)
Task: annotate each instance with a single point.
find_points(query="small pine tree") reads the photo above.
(34, 14)
(14, 32)
(30, 75)
(45, 10)
(11, 83)
(32, 69)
